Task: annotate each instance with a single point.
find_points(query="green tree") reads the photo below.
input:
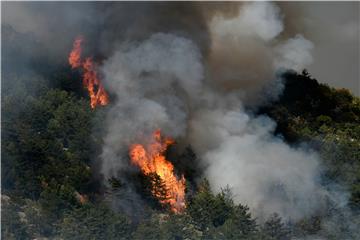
(274, 228)
(94, 222)
(148, 229)
(208, 210)
(51, 141)
(201, 206)
(240, 225)
(153, 190)
(178, 227)
(11, 225)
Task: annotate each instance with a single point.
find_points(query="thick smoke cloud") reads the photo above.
(164, 82)
(333, 28)
(261, 170)
(189, 69)
(247, 49)
(294, 54)
(147, 79)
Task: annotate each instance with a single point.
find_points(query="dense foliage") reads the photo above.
(329, 120)
(50, 188)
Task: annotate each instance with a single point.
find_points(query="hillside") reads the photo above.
(52, 189)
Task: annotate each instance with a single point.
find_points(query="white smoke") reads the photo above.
(261, 170)
(294, 54)
(247, 50)
(260, 20)
(145, 78)
(163, 82)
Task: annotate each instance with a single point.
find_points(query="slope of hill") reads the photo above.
(51, 189)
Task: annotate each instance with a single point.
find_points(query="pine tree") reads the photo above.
(240, 225)
(274, 228)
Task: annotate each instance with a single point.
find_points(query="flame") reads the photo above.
(75, 54)
(91, 81)
(151, 159)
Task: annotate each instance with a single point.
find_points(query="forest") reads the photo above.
(52, 189)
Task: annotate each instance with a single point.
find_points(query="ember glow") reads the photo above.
(91, 81)
(150, 158)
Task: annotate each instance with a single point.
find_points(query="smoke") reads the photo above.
(261, 170)
(294, 54)
(144, 78)
(248, 49)
(261, 20)
(165, 82)
(334, 30)
(191, 70)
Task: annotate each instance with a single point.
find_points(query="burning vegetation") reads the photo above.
(91, 81)
(150, 159)
(191, 74)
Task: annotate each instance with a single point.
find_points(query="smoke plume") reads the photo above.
(191, 70)
(167, 82)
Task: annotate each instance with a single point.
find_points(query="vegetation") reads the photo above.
(51, 190)
(329, 120)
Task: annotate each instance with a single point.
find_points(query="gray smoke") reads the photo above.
(261, 170)
(248, 49)
(333, 28)
(150, 80)
(164, 82)
(190, 70)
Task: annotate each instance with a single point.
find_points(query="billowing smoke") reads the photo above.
(191, 70)
(150, 80)
(248, 49)
(165, 82)
(261, 170)
(333, 28)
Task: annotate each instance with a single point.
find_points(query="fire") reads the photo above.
(91, 81)
(150, 158)
(75, 54)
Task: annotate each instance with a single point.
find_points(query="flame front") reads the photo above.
(151, 159)
(91, 80)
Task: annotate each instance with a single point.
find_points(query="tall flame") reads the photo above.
(75, 54)
(91, 81)
(150, 158)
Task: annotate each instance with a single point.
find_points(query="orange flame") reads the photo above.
(75, 54)
(91, 81)
(151, 159)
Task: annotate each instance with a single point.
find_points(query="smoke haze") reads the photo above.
(332, 28)
(165, 82)
(191, 70)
